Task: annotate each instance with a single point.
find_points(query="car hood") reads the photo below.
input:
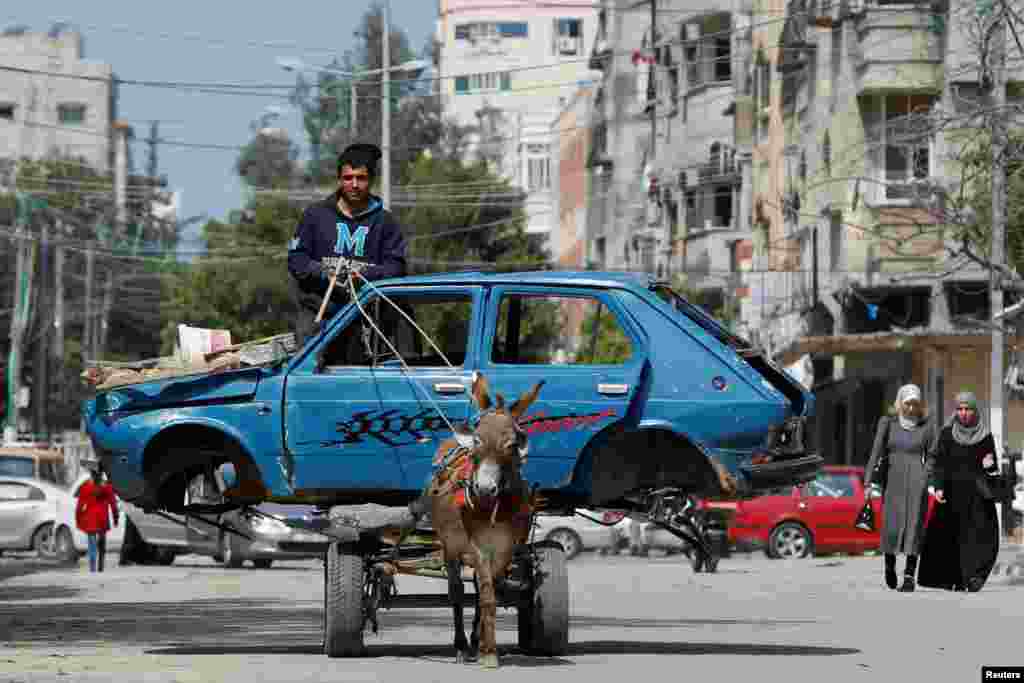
(221, 387)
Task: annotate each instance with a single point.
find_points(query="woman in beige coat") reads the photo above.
(897, 465)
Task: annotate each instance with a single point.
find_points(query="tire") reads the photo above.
(570, 541)
(262, 564)
(164, 556)
(230, 552)
(343, 602)
(789, 540)
(543, 613)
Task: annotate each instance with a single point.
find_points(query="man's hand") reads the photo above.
(937, 494)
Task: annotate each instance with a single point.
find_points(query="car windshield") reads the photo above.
(699, 316)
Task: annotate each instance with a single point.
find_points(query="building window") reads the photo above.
(723, 59)
(71, 114)
(568, 37)
(514, 29)
(6, 112)
(835, 240)
(722, 205)
(691, 55)
(538, 173)
(905, 142)
(826, 154)
(487, 82)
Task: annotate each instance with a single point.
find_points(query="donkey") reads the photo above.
(481, 510)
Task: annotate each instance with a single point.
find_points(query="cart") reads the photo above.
(362, 562)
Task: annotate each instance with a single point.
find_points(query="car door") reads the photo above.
(360, 418)
(21, 505)
(829, 505)
(588, 351)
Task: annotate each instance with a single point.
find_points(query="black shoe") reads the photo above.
(974, 585)
(890, 578)
(908, 585)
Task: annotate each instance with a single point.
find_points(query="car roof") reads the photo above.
(569, 278)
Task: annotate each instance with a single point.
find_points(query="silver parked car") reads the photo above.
(37, 515)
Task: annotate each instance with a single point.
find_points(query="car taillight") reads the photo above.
(612, 517)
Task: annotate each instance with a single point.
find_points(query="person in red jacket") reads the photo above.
(97, 503)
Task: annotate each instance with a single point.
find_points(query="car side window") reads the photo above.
(542, 329)
(445, 318)
(11, 492)
(831, 486)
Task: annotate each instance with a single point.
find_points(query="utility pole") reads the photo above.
(652, 92)
(40, 357)
(385, 109)
(14, 355)
(87, 335)
(58, 301)
(994, 77)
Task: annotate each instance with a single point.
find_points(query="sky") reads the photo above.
(211, 41)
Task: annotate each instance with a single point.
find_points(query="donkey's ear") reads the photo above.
(524, 401)
(481, 391)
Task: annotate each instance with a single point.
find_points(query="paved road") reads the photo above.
(824, 619)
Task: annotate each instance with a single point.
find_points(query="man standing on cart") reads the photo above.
(351, 223)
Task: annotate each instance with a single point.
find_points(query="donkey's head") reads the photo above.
(499, 444)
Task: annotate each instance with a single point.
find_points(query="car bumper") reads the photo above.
(284, 550)
(783, 471)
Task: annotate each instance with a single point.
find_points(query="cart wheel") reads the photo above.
(697, 561)
(711, 565)
(544, 609)
(343, 602)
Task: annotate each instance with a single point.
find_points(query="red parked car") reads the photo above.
(816, 517)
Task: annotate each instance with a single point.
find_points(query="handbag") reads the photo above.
(880, 475)
(1001, 487)
(866, 518)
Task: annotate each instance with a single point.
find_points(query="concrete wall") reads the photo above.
(36, 131)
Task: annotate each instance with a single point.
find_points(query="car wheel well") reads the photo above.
(625, 461)
(196, 449)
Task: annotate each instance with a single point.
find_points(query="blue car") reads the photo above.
(643, 390)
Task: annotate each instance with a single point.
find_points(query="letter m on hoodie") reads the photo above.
(349, 244)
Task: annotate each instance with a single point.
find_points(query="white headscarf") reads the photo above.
(908, 392)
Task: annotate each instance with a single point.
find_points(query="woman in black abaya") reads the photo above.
(962, 540)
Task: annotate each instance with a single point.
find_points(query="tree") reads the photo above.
(269, 160)
(465, 216)
(242, 284)
(415, 124)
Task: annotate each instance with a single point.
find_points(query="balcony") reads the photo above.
(897, 48)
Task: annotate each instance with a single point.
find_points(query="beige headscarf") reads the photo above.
(906, 393)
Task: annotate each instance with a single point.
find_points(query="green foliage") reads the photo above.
(443, 234)
(243, 284)
(974, 200)
(603, 341)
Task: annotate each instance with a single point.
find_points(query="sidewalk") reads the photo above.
(1009, 564)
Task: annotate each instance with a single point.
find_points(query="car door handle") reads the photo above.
(612, 389)
(449, 388)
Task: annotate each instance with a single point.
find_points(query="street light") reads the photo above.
(414, 65)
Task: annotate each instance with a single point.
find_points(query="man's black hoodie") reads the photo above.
(324, 234)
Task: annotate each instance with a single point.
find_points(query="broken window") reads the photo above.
(969, 302)
(885, 309)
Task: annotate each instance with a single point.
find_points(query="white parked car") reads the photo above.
(576, 533)
(37, 515)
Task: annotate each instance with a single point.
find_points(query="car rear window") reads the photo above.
(17, 467)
